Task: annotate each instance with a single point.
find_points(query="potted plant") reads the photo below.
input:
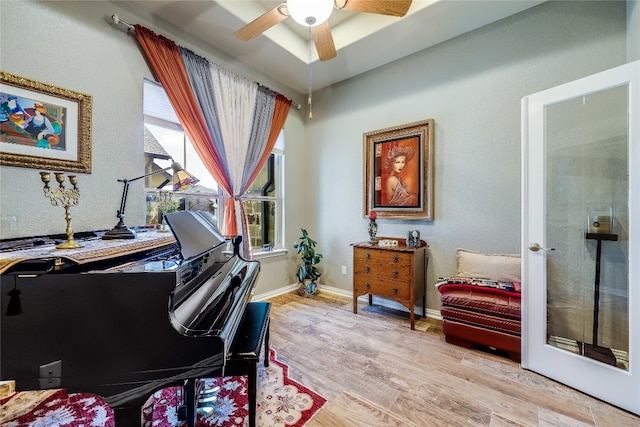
(307, 273)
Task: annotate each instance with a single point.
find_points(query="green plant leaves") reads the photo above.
(304, 247)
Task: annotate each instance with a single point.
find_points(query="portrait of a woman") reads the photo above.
(398, 182)
(398, 170)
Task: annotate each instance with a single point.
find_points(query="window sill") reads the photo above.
(269, 254)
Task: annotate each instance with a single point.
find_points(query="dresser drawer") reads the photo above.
(382, 287)
(384, 256)
(403, 273)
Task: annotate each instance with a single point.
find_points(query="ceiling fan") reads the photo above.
(315, 14)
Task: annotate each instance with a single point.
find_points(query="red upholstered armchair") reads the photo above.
(481, 303)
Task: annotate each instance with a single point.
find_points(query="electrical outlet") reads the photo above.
(344, 269)
(51, 370)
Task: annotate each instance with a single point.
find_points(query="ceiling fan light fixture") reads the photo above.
(310, 12)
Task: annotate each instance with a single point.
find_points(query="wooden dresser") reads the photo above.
(395, 272)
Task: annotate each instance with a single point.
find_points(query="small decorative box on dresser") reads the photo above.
(397, 272)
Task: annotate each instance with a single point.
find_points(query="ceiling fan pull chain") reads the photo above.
(310, 77)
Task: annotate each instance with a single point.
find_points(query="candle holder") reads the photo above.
(65, 197)
(372, 227)
(373, 230)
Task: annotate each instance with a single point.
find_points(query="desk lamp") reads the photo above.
(181, 181)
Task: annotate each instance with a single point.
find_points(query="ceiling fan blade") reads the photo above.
(380, 7)
(263, 23)
(324, 41)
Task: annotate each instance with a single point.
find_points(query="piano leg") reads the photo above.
(253, 394)
(127, 417)
(189, 409)
(266, 344)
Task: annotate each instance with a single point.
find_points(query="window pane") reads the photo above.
(261, 216)
(175, 144)
(279, 145)
(159, 203)
(265, 184)
(156, 102)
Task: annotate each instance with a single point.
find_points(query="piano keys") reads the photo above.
(123, 323)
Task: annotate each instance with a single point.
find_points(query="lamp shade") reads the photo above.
(181, 178)
(310, 12)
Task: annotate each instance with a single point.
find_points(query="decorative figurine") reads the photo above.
(413, 238)
(373, 227)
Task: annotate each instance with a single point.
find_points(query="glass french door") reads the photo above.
(581, 234)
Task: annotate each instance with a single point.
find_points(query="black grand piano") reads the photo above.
(126, 324)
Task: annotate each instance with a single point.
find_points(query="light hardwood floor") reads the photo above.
(375, 371)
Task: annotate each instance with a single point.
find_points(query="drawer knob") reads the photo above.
(367, 255)
(367, 285)
(395, 258)
(395, 291)
(395, 274)
(366, 268)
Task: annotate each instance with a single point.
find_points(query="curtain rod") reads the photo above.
(131, 28)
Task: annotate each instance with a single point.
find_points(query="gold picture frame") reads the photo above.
(44, 126)
(399, 171)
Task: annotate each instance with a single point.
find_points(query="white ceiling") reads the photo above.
(363, 41)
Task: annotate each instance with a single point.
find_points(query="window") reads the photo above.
(165, 141)
(263, 202)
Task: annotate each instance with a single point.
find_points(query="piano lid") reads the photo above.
(195, 232)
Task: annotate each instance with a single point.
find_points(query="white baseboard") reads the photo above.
(434, 314)
(275, 293)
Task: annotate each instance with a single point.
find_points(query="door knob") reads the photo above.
(534, 247)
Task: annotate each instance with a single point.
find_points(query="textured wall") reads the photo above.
(77, 47)
(77, 50)
(472, 87)
(633, 30)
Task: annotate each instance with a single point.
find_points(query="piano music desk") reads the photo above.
(245, 355)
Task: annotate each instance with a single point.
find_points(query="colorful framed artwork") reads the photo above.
(399, 171)
(43, 126)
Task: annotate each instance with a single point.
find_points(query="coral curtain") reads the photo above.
(232, 122)
(246, 119)
(166, 63)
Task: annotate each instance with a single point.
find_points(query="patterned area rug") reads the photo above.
(281, 401)
(54, 408)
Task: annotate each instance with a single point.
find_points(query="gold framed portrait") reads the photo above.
(399, 171)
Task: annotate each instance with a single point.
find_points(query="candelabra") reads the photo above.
(65, 197)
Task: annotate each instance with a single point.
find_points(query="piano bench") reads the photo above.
(252, 332)
(245, 350)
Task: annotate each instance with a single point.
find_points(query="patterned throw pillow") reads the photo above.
(480, 282)
(498, 267)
